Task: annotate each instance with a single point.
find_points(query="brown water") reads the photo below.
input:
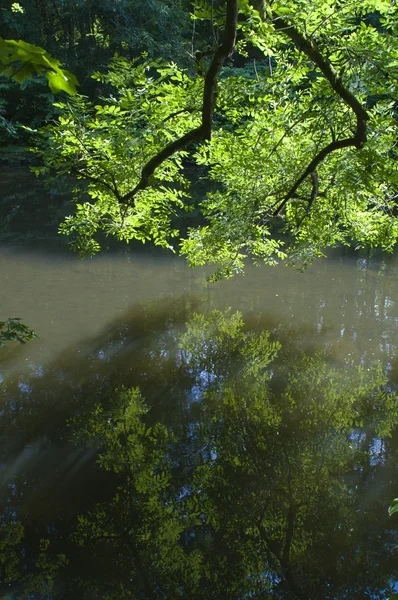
(118, 319)
(349, 304)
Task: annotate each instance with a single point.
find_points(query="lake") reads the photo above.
(164, 437)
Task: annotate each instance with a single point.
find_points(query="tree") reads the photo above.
(20, 61)
(301, 152)
(84, 36)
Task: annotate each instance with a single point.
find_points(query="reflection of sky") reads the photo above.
(203, 381)
(24, 387)
(377, 452)
(376, 448)
(37, 370)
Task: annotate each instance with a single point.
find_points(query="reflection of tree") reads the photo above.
(239, 476)
(256, 489)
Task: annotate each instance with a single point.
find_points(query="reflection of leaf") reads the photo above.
(391, 510)
(393, 597)
(259, 443)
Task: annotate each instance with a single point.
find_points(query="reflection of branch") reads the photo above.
(284, 555)
(133, 517)
(274, 548)
(360, 136)
(290, 526)
(140, 567)
(285, 558)
(203, 132)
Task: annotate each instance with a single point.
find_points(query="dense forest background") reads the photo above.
(84, 36)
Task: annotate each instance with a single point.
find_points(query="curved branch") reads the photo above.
(315, 188)
(359, 137)
(203, 132)
(332, 147)
(313, 197)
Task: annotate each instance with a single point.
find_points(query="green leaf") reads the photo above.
(62, 81)
(20, 60)
(17, 8)
(393, 508)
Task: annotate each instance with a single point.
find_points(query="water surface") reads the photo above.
(255, 458)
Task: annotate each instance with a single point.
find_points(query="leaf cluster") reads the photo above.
(108, 144)
(267, 129)
(13, 330)
(20, 60)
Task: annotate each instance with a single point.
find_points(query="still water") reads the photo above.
(249, 450)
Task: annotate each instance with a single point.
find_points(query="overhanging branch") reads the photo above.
(203, 132)
(359, 137)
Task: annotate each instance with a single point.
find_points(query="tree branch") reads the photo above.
(313, 197)
(203, 132)
(96, 180)
(360, 136)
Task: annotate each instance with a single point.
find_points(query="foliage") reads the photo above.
(12, 534)
(41, 579)
(13, 330)
(29, 67)
(237, 469)
(87, 34)
(20, 60)
(92, 142)
(267, 130)
(394, 507)
(16, 8)
(84, 36)
(247, 493)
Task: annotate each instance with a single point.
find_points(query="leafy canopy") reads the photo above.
(302, 153)
(109, 143)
